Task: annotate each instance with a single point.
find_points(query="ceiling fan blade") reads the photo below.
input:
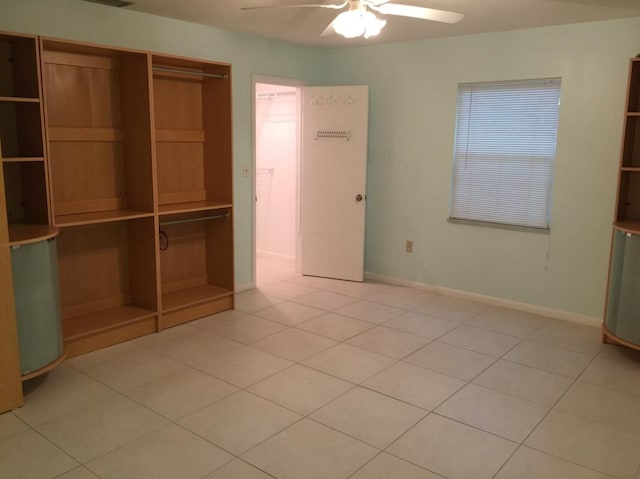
(418, 12)
(329, 30)
(307, 5)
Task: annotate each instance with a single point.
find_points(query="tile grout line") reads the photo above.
(552, 408)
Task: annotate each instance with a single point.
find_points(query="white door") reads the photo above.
(333, 196)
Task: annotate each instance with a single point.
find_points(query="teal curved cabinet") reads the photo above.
(37, 299)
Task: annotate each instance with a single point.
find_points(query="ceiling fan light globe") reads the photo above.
(372, 25)
(349, 24)
(356, 23)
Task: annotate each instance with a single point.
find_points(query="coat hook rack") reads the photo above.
(339, 134)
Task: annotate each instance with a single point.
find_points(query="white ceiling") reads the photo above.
(304, 25)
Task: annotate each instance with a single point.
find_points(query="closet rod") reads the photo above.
(190, 72)
(274, 93)
(192, 220)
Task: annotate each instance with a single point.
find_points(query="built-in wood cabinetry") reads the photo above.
(192, 115)
(135, 173)
(140, 163)
(24, 161)
(98, 125)
(24, 208)
(622, 312)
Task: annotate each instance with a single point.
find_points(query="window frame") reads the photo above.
(542, 89)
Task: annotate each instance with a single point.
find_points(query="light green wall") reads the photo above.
(72, 19)
(412, 116)
(412, 121)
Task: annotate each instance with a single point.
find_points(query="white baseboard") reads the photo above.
(492, 300)
(271, 254)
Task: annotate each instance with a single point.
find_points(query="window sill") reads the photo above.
(527, 229)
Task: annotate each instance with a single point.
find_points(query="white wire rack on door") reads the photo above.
(264, 179)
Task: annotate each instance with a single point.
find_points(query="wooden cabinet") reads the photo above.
(196, 271)
(108, 288)
(100, 152)
(193, 134)
(135, 174)
(25, 217)
(24, 162)
(622, 312)
(99, 133)
(192, 118)
(141, 171)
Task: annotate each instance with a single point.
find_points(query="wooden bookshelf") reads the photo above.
(99, 131)
(138, 145)
(192, 120)
(24, 208)
(135, 150)
(621, 325)
(95, 217)
(107, 282)
(195, 267)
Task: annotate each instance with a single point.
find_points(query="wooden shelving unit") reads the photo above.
(196, 272)
(97, 108)
(193, 132)
(107, 282)
(24, 206)
(21, 131)
(99, 131)
(621, 324)
(192, 206)
(192, 116)
(139, 147)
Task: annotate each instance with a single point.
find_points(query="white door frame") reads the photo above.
(257, 78)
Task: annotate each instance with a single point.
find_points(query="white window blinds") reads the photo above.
(504, 152)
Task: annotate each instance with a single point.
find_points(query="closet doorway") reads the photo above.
(277, 178)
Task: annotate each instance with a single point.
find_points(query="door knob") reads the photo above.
(359, 197)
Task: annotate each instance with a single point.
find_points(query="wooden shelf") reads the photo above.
(628, 226)
(24, 159)
(24, 203)
(632, 169)
(192, 296)
(193, 206)
(633, 113)
(18, 99)
(20, 234)
(188, 304)
(90, 324)
(99, 217)
(85, 134)
(45, 369)
(609, 337)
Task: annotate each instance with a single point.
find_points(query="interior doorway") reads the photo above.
(277, 169)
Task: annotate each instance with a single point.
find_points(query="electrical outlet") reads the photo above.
(409, 246)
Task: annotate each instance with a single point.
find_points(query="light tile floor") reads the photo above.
(316, 378)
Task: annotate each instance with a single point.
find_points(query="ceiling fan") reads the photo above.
(359, 19)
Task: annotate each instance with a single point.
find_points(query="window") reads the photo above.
(505, 148)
